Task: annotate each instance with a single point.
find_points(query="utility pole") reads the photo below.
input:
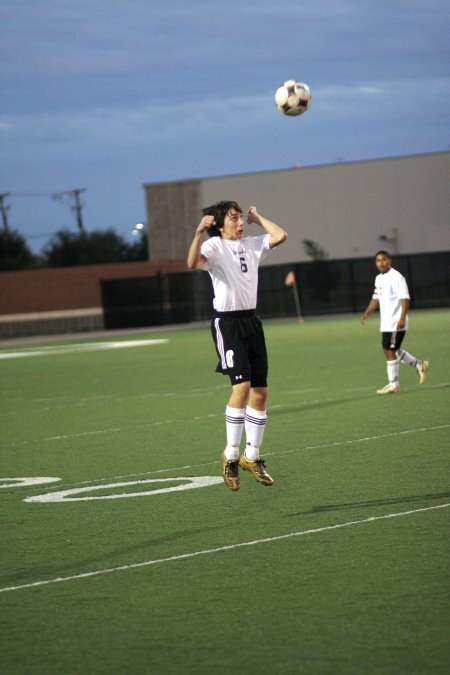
(4, 210)
(78, 205)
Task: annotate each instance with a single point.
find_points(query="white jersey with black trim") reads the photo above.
(390, 289)
(233, 268)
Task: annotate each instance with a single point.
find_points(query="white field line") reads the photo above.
(220, 549)
(63, 400)
(79, 347)
(149, 425)
(305, 448)
(66, 401)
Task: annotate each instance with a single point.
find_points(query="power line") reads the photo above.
(56, 196)
(31, 194)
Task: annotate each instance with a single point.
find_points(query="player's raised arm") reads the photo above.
(277, 234)
(195, 258)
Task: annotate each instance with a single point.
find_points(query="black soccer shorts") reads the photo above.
(392, 340)
(241, 347)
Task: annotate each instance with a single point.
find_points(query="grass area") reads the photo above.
(339, 568)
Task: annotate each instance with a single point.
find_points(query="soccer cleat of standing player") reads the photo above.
(423, 371)
(230, 473)
(256, 468)
(389, 389)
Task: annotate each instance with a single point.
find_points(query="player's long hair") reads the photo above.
(219, 210)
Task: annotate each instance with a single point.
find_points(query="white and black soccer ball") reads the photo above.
(293, 98)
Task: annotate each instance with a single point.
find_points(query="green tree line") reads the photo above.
(67, 248)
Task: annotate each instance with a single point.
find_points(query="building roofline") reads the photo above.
(298, 167)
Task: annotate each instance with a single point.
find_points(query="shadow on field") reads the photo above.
(331, 402)
(301, 406)
(112, 556)
(374, 502)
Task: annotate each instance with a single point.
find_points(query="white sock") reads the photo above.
(251, 452)
(255, 424)
(234, 423)
(232, 452)
(392, 371)
(408, 358)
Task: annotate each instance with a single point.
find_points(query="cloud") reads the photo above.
(107, 94)
(59, 38)
(110, 131)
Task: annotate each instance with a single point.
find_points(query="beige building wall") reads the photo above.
(351, 208)
(173, 210)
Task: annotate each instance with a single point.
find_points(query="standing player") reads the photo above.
(391, 295)
(232, 261)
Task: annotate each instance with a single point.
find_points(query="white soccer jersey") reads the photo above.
(233, 268)
(390, 289)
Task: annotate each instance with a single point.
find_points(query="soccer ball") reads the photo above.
(293, 98)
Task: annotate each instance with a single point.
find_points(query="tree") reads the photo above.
(14, 251)
(314, 250)
(98, 247)
(138, 250)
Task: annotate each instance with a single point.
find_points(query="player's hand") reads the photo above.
(252, 215)
(401, 324)
(205, 223)
(362, 319)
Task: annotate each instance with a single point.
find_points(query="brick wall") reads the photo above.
(69, 288)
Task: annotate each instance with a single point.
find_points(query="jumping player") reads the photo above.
(232, 261)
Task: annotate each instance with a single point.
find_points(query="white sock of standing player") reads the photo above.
(255, 424)
(392, 371)
(408, 359)
(234, 426)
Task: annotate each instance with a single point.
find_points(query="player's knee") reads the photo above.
(239, 395)
(258, 397)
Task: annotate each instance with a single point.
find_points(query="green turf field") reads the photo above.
(340, 568)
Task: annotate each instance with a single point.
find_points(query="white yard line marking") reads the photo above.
(323, 446)
(65, 401)
(27, 480)
(124, 429)
(81, 347)
(187, 483)
(220, 549)
(370, 438)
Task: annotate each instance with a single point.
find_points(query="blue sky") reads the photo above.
(108, 95)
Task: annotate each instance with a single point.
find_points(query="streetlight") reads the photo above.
(138, 229)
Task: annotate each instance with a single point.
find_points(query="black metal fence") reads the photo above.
(323, 287)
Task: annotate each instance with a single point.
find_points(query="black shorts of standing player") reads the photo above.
(392, 340)
(241, 347)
